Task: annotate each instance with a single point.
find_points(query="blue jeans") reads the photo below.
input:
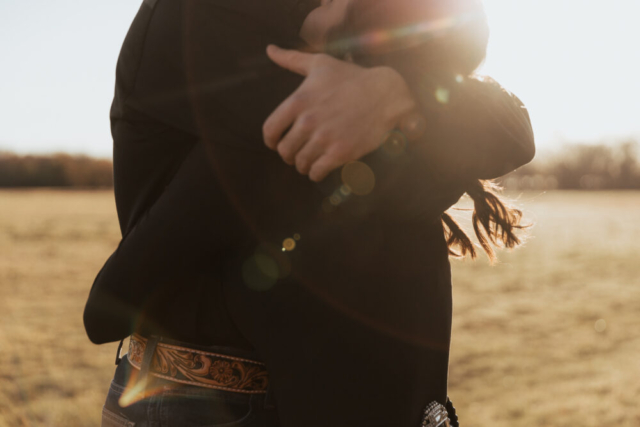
(170, 404)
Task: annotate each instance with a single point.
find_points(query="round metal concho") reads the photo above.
(435, 415)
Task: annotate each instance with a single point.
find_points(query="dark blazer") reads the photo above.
(354, 323)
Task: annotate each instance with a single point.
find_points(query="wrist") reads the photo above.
(404, 111)
(398, 99)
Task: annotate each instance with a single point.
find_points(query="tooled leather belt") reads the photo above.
(200, 368)
(220, 371)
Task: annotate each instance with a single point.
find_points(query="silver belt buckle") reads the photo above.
(435, 415)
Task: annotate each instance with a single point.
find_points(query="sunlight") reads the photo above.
(405, 36)
(572, 62)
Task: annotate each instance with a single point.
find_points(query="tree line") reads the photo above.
(57, 170)
(574, 166)
(581, 167)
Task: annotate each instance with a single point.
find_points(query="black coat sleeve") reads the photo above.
(158, 277)
(482, 131)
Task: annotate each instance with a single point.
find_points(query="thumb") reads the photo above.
(292, 60)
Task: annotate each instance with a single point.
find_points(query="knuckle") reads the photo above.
(323, 136)
(336, 155)
(333, 158)
(316, 174)
(340, 156)
(341, 149)
(299, 99)
(302, 166)
(284, 151)
(267, 129)
(328, 144)
(308, 121)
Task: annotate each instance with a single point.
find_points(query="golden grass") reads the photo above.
(525, 349)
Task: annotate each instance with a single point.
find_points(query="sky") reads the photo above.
(574, 63)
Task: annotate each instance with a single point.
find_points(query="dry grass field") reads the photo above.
(549, 337)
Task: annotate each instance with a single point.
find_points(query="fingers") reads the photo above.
(295, 139)
(280, 120)
(322, 167)
(308, 155)
(292, 60)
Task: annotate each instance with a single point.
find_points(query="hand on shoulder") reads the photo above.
(340, 112)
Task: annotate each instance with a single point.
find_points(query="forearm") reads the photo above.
(481, 132)
(475, 128)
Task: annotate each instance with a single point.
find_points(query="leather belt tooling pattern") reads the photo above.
(201, 368)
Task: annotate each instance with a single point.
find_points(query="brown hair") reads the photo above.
(493, 222)
(451, 38)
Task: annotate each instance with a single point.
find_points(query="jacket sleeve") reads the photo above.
(476, 129)
(482, 131)
(171, 254)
